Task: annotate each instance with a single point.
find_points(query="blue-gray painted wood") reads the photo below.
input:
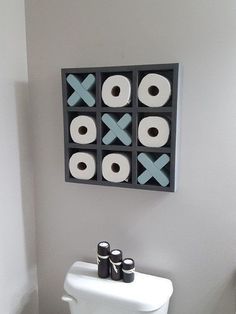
(154, 169)
(81, 90)
(117, 129)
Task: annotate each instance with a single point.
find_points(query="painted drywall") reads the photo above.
(18, 282)
(188, 236)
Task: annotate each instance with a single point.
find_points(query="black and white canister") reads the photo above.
(116, 264)
(128, 270)
(103, 252)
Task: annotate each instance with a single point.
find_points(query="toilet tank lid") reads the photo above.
(145, 293)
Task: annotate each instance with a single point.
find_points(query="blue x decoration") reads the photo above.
(81, 90)
(117, 129)
(154, 169)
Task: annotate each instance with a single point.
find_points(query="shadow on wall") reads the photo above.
(223, 293)
(226, 293)
(29, 302)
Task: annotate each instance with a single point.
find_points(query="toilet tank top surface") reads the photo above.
(145, 293)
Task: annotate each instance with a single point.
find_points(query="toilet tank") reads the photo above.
(88, 294)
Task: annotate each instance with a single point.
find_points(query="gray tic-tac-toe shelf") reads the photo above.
(137, 110)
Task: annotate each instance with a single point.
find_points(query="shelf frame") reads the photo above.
(170, 111)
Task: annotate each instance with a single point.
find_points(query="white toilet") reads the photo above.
(88, 294)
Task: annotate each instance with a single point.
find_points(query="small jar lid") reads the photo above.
(116, 256)
(103, 248)
(128, 264)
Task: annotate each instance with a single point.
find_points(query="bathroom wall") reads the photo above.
(188, 236)
(18, 283)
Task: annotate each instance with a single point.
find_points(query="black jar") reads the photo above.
(103, 252)
(116, 264)
(128, 269)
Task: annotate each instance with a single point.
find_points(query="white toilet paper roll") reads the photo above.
(115, 167)
(116, 91)
(153, 131)
(154, 90)
(82, 166)
(83, 129)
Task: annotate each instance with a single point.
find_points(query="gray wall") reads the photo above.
(188, 236)
(18, 282)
